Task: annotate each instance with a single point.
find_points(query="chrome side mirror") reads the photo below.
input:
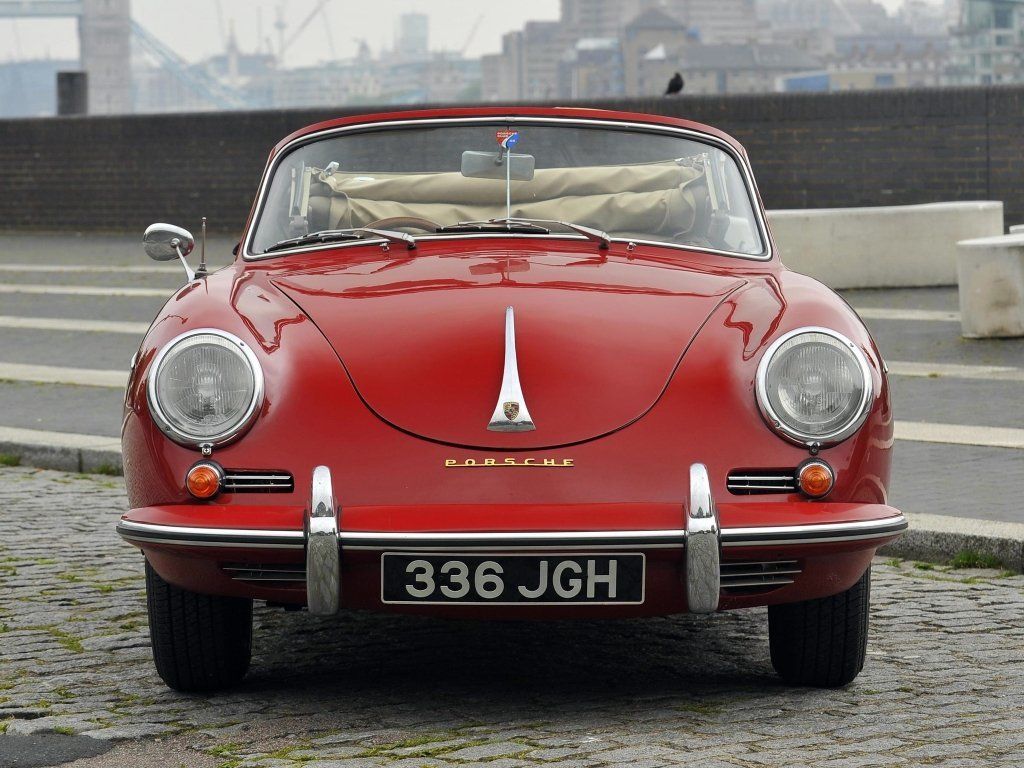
(164, 242)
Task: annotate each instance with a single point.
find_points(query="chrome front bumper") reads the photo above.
(702, 539)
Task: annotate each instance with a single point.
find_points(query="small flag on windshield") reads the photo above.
(507, 138)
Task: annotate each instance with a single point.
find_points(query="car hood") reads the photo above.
(423, 338)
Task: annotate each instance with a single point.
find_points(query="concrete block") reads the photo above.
(990, 271)
(65, 458)
(102, 461)
(62, 450)
(882, 247)
(938, 538)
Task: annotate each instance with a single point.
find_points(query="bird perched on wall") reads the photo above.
(675, 85)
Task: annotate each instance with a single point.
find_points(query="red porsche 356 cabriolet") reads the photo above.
(506, 364)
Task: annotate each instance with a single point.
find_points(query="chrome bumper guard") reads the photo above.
(323, 555)
(703, 545)
(702, 540)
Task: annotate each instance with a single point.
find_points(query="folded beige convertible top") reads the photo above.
(658, 198)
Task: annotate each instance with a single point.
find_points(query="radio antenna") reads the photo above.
(201, 271)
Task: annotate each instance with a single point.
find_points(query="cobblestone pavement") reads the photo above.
(944, 684)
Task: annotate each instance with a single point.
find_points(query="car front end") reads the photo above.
(485, 420)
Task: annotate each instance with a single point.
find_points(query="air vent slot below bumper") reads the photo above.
(274, 574)
(758, 576)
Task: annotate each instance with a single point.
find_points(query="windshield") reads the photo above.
(632, 184)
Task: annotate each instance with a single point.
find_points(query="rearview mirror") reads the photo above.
(491, 165)
(163, 242)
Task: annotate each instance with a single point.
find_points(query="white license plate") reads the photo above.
(536, 579)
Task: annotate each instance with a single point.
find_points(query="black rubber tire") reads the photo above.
(200, 642)
(821, 643)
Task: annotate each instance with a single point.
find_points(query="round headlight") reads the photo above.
(205, 386)
(814, 386)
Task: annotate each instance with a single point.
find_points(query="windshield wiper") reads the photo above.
(600, 237)
(324, 236)
(331, 235)
(493, 226)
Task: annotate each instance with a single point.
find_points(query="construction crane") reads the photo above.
(471, 35)
(327, 31)
(284, 45)
(220, 24)
(218, 94)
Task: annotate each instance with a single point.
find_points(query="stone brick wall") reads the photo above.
(808, 151)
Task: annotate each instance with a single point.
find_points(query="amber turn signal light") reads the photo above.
(815, 479)
(203, 480)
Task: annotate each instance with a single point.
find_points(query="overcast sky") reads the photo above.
(194, 28)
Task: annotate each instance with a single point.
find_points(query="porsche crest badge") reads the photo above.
(511, 413)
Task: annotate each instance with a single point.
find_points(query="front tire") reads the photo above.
(200, 642)
(821, 643)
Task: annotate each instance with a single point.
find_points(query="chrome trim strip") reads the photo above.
(753, 478)
(272, 568)
(235, 476)
(249, 538)
(323, 556)
(398, 536)
(239, 428)
(753, 490)
(751, 573)
(510, 396)
(769, 584)
(517, 540)
(741, 161)
(780, 426)
(703, 548)
(814, 532)
(467, 541)
(582, 546)
(243, 487)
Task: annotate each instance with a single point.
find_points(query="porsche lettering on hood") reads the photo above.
(425, 340)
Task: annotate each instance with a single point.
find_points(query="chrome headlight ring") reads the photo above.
(793, 433)
(239, 425)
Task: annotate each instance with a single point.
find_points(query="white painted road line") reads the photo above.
(98, 268)
(72, 324)
(960, 434)
(932, 315)
(954, 371)
(44, 438)
(53, 374)
(83, 290)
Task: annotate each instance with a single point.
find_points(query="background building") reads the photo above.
(752, 68)
(651, 46)
(595, 49)
(988, 43)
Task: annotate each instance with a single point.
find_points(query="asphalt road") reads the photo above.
(943, 684)
(973, 389)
